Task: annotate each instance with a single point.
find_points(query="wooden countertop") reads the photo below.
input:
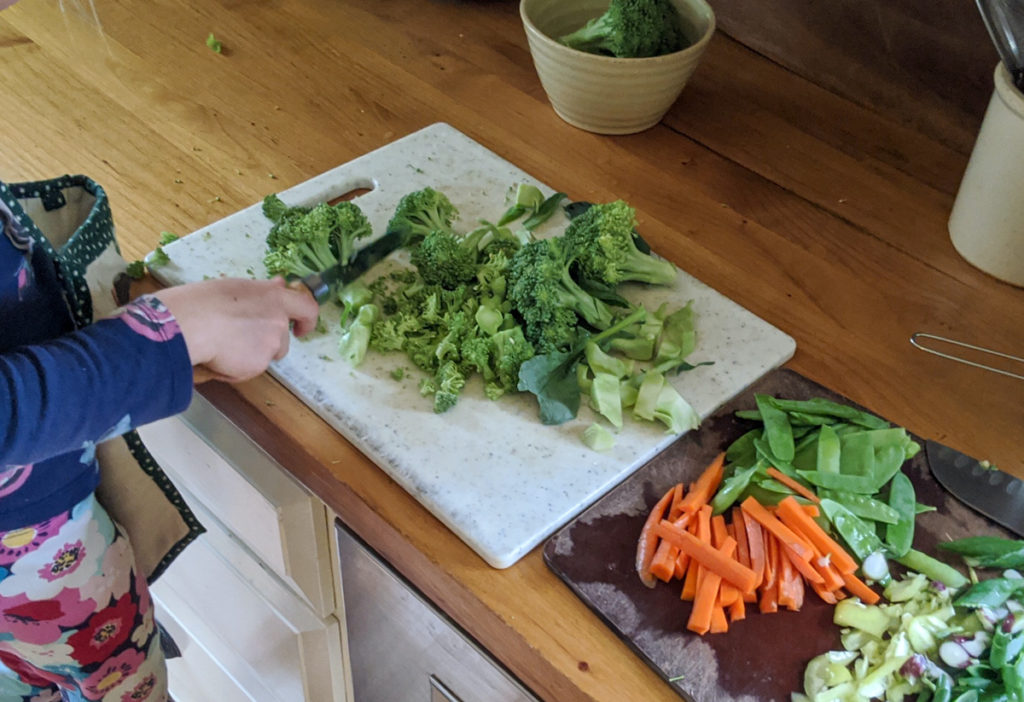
(826, 219)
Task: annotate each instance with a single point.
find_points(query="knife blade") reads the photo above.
(988, 490)
(322, 283)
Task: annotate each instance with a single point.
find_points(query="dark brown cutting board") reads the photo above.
(761, 657)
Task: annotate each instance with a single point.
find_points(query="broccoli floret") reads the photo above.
(444, 258)
(304, 242)
(421, 212)
(603, 240)
(631, 29)
(543, 292)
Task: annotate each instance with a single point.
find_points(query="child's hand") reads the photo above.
(234, 327)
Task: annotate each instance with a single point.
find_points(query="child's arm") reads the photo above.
(135, 368)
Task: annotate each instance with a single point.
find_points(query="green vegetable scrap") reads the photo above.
(631, 29)
(214, 44)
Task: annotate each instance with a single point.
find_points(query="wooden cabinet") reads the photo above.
(255, 603)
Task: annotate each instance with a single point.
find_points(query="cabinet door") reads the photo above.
(402, 649)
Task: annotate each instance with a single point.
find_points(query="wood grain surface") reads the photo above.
(823, 216)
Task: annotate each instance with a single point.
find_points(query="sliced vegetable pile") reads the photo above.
(931, 642)
(526, 314)
(817, 499)
(764, 555)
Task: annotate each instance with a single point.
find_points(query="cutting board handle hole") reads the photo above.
(359, 190)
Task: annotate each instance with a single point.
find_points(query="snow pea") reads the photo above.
(990, 593)
(863, 505)
(856, 454)
(820, 406)
(888, 461)
(933, 569)
(899, 537)
(741, 450)
(828, 450)
(859, 536)
(837, 481)
(732, 488)
(806, 451)
(777, 429)
(765, 454)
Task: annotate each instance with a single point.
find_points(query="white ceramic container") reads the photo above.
(604, 94)
(987, 221)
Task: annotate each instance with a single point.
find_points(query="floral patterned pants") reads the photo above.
(76, 619)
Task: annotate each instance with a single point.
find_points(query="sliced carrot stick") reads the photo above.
(801, 566)
(787, 576)
(738, 610)
(705, 486)
(769, 593)
(719, 623)
(663, 565)
(705, 602)
(811, 510)
(859, 588)
(690, 581)
(782, 532)
(738, 530)
(709, 557)
(682, 561)
(791, 514)
(718, 530)
(647, 544)
(793, 484)
(677, 497)
(727, 593)
(755, 545)
(826, 595)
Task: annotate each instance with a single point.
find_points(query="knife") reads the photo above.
(322, 283)
(997, 495)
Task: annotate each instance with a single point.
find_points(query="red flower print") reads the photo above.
(40, 621)
(29, 674)
(104, 633)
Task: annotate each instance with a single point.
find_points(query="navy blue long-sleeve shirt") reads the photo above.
(62, 390)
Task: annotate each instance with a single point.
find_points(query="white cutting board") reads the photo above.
(489, 470)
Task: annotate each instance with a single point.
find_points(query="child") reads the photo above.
(76, 618)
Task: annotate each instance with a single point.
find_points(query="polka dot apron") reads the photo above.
(74, 226)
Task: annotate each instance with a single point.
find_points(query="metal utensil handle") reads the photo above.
(915, 339)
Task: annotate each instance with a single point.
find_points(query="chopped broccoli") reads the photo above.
(420, 212)
(356, 339)
(604, 242)
(543, 291)
(304, 241)
(631, 29)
